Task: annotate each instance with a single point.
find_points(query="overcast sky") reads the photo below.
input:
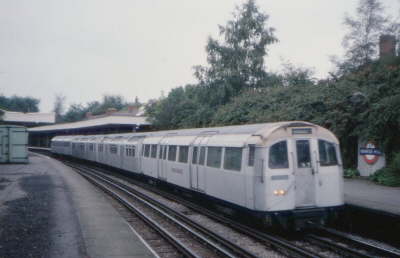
(84, 49)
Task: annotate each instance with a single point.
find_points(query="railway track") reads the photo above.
(348, 245)
(231, 249)
(190, 238)
(323, 239)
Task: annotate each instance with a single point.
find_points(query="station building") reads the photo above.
(113, 121)
(29, 119)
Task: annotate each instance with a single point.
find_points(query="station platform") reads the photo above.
(48, 210)
(364, 193)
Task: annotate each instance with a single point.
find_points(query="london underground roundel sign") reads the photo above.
(370, 153)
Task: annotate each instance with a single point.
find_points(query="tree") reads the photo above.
(237, 62)
(59, 106)
(19, 104)
(75, 112)
(364, 29)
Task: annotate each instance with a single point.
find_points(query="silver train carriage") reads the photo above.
(288, 173)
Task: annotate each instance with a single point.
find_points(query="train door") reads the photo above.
(122, 155)
(162, 163)
(304, 168)
(197, 166)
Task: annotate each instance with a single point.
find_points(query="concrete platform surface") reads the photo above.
(47, 210)
(364, 193)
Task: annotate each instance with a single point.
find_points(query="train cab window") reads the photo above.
(194, 156)
(100, 147)
(91, 147)
(127, 151)
(327, 153)
(172, 153)
(214, 156)
(147, 150)
(278, 155)
(202, 155)
(133, 151)
(154, 150)
(183, 154)
(252, 152)
(233, 158)
(303, 154)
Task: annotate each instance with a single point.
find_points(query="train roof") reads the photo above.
(263, 130)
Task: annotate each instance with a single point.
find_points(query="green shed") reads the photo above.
(13, 144)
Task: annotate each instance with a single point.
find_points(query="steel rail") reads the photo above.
(224, 247)
(185, 251)
(274, 241)
(370, 247)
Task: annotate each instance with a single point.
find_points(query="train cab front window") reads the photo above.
(303, 154)
(278, 155)
(327, 153)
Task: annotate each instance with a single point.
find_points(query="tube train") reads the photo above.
(286, 173)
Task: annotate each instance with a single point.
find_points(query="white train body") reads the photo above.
(287, 169)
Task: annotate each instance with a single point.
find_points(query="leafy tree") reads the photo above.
(237, 62)
(19, 104)
(74, 113)
(364, 29)
(59, 106)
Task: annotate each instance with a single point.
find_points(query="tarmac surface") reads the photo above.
(362, 192)
(47, 210)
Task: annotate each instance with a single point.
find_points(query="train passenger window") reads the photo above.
(113, 149)
(183, 154)
(172, 153)
(327, 153)
(278, 155)
(233, 158)
(252, 151)
(214, 157)
(147, 150)
(154, 150)
(194, 157)
(127, 152)
(303, 153)
(202, 155)
(133, 151)
(161, 152)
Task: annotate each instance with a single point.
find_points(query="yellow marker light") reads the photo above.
(279, 192)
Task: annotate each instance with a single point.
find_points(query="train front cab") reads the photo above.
(301, 176)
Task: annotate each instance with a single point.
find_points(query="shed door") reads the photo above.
(18, 138)
(304, 173)
(3, 144)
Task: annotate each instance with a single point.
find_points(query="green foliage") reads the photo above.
(364, 29)
(390, 175)
(386, 176)
(78, 112)
(351, 173)
(237, 63)
(19, 104)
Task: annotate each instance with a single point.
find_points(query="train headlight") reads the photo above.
(279, 192)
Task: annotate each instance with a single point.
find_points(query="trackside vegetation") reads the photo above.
(360, 100)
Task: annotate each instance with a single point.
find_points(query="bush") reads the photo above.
(351, 173)
(389, 176)
(386, 176)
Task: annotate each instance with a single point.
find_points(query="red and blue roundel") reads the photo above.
(370, 153)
